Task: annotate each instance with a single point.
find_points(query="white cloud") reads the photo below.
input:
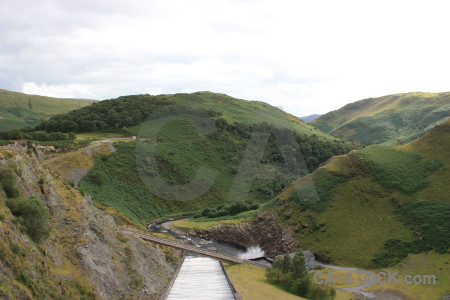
(69, 90)
(307, 56)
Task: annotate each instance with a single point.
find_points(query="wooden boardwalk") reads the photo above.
(201, 278)
(194, 249)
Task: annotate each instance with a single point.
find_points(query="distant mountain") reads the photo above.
(18, 110)
(390, 120)
(309, 118)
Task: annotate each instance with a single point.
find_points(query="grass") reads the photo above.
(251, 283)
(4, 142)
(68, 144)
(40, 104)
(354, 226)
(176, 155)
(383, 199)
(430, 263)
(249, 112)
(18, 110)
(101, 135)
(316, 193)
(8, 124)
(429, 221)
(396, 169)
(192, 224)
(390, 120)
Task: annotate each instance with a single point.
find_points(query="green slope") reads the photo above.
(248, 112)
(18, 110)
(180, 151)
(128, 112)
(376, 205)
(390, 120)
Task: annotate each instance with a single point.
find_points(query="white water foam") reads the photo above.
(253, 252)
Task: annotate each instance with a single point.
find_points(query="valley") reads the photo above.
(248, 174)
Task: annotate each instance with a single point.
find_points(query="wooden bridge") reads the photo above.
(194, 249)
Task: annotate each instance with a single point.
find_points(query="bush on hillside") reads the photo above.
(291, 275)
(9, 183)
(229, 209)
(108, 115)
(399, 170)
(33, 215)
(429, 221)
(36, 136)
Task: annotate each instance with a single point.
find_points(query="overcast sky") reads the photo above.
(307, 56)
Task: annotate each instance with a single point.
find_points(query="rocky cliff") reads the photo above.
(263, 230)
(85, 255)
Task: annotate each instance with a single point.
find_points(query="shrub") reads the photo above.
(429, 220)
(9, 183)
(229, 209)
(15, 248)
(398, 170)
(32, 215)
(96, 178)
(36, 136)
(291, 274)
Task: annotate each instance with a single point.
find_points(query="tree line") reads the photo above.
(36, 135)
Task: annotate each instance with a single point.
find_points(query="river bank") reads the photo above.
(263, 230)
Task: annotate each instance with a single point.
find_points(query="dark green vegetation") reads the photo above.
(8, 182)
(399, 170)
(292, 276)
(128, 112)
(178, 151)
(117, 114)
(229, 209)
(32, 214)
(376, 205)
(315, 193)
(390, 120)
(430, 222)
(19, 110)
(15, 134)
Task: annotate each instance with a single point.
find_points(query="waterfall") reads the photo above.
(252, 252)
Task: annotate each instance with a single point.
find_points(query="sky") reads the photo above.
(306, 56)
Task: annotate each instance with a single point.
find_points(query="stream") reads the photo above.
(254, 252)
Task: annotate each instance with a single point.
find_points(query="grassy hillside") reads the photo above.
(128, 112)
(377, 205)
(116, 179)
(282, 149)
(18, 110)
(390, 120)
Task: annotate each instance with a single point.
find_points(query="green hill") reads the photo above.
(390, 120)
(128, 112)
(376, 205)
(283, 149)
(18, 110)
